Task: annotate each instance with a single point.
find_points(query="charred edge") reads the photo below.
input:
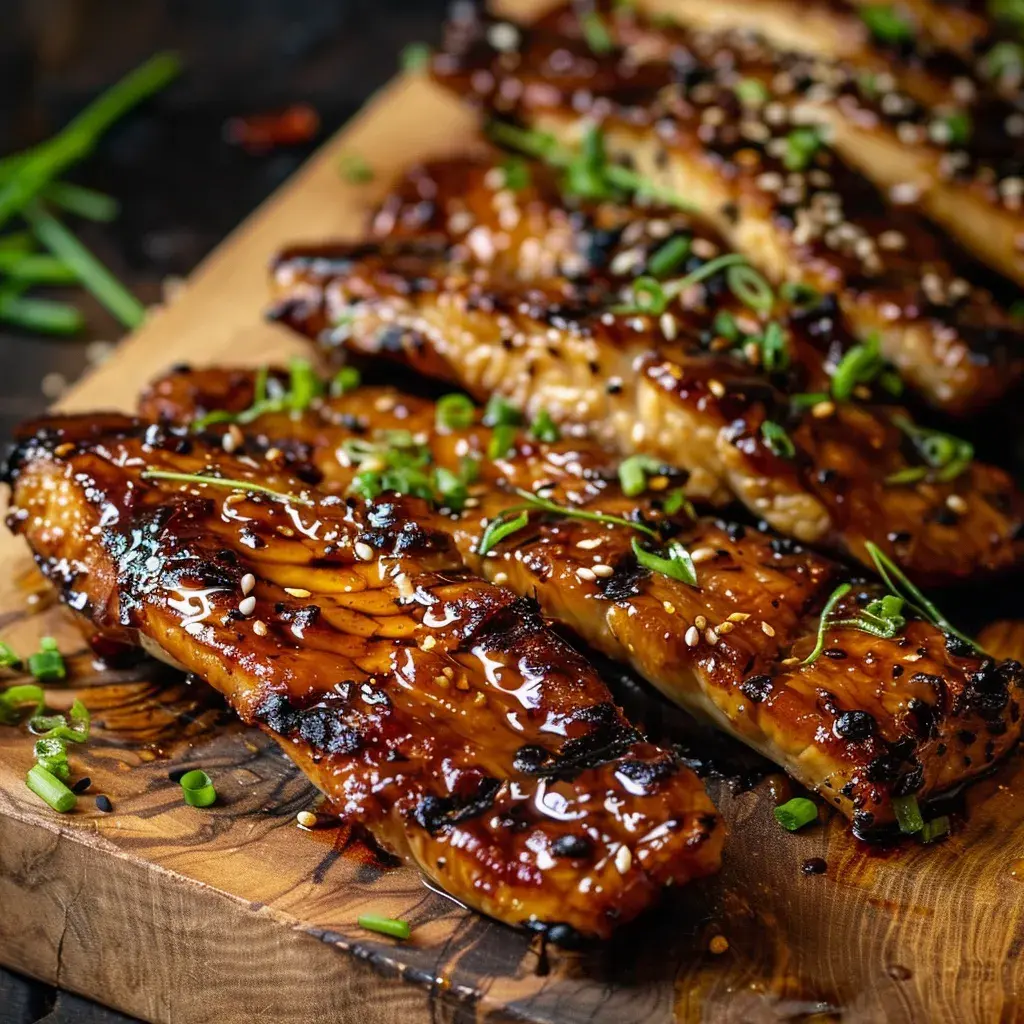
(437, 813)
(321, 726)
(392, 531)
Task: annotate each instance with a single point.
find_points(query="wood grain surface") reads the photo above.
(234, 914)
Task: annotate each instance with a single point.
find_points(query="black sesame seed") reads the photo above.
(81, 785)
(103, 804)
(177, 774)
(814, 866)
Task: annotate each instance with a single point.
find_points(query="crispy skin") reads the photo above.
(554, 346)
(826, 227)
(868, 720)
(429, 706)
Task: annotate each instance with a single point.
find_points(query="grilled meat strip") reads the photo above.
(868, 719)
(554, 346)
(815, 220)
(429, 706)
(964, 172)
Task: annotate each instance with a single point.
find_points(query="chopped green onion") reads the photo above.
(633, 473)
(886, 23)
(541, 145)
(385, 925)
(56, 726)
(498, 529)
(451, 488)
(246, 486)
(898, 584)
(42, 315)
(648, 298)
(415, 57)
(882, 618)
(499, 412)
(823, 621)
(347, 379)
(954, 129)
(724, 325)
(802, 401)
(95, 277)
(515, 174)
(798, 294)
(750, 92)
(861, 364)
(778, 441)
(946, 456)
(908, 814)
(669, 256)
(585, 175)
(50, 789)
(544, 428)
(750, 288)
(15, 697)
(1004, 60)
(678, 565)
(935, 829)
(197, 788)
(52, 754)
(47, 662)
(82, 202)
(355, 170)
(579, 513)
(304, 385)
(801, 146)
(796, 813)
(677, 501)
(8, 658)
(502, 442)
(454, 412)
(773, 347)
(596, 33)
(36, 169)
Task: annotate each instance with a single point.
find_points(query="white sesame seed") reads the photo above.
(306, 819)
(429, 643)
(589, 543)
(500, 578)
(259, 627)
(363, 551)
(767, 630)
(296, 592)
(585, 574)
(247, 605)
(711, 635)
(739, 617)
(956, 503)
(725, 627)
(692, 637)
(603, 570)
(822, 410)
(717, 388)
(623, 859)
(248, 582)
(669, 607)
(702, 555)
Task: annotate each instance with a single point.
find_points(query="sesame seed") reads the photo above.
(247, 605)
(725, 627)
(718, 945)
(259, 627)
(500, 578)
(248, 583)
(766, 629)
(822, 410)
(603, 570)
(429, 643)
(441, 681)
(711, 636)
(669, 607)
(956, 503)
(692, 637)
(739, 617)
(790, 661)
(623, 859)
(669, 326)
(700, 622)
(717, 388)
(232, 439)
(589, 543)
(702, 555)
(479, 697)
(363, 551)
(586, 574)
(306, 819)
(273, 454)
(297, 592)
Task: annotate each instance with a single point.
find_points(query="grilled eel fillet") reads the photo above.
(553, 346)
(868, 719)
(429, 706)
(823, 225)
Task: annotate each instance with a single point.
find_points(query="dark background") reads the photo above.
(181, 185)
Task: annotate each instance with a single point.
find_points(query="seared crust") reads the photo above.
(823, 225)
(429, 706)
(554, 346)
(867, 720)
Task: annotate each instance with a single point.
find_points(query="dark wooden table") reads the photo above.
(182, 186)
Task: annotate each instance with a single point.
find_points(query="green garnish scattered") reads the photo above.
(596, 33)
(499, 528)
(945, 456)
(677, 566)
(908, 814)
(797, 294)
(502, 442)
(886, 23)
(633, 473)
(677, 501)
(197, 788)
(956, 128)
(579, 513)
(802, 144)
(499, 412)
(56, 726)
(823, 622)
(778, 441)
(385, 925)
(544, 428)
(52, 754)
(515, 172)
(900, 586)
(1004, 60)
(8, 657)
(347, 379)
(882, 618)
(35, 268)
(935, 829)
(355, 170)
(750, 92)
(861, 364)
(47, 663)
(454, 412)
(244, 486)
(796, 813)
(415, 57)
(304, 387)
(14, 699)
(82, 202)
(669, 256)
(50, 789)
(774, 350)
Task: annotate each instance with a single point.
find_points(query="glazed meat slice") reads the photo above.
(868, 719)
(429, 706)
(761, 176)
(838, 474)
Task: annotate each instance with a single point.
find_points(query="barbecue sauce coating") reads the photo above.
(868, 720)
(429, 706)
(451, 290)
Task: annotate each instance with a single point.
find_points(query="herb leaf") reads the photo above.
(678, 565)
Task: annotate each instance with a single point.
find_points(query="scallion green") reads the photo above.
(908, 814)
(385, 925)
(50, 789)
(498, 529)
(197, 788)
(454, 412)
(677, 566)
(796, 813)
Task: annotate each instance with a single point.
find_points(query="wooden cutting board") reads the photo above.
(235, 914)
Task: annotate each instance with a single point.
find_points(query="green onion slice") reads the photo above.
(935, 829)
(669, 256)
(52, 754)
(197, 788)
(56, 726)
(500, 528)
(796, 813)
(14, 698)
(633, 473)
(678, 565)
(544, 428)
(347, 379)
(908, 814)
(385, 925)
(47, 663)
(823, 622)
(500, 412)
(455, 412)
(50, 789)
(779, 443)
